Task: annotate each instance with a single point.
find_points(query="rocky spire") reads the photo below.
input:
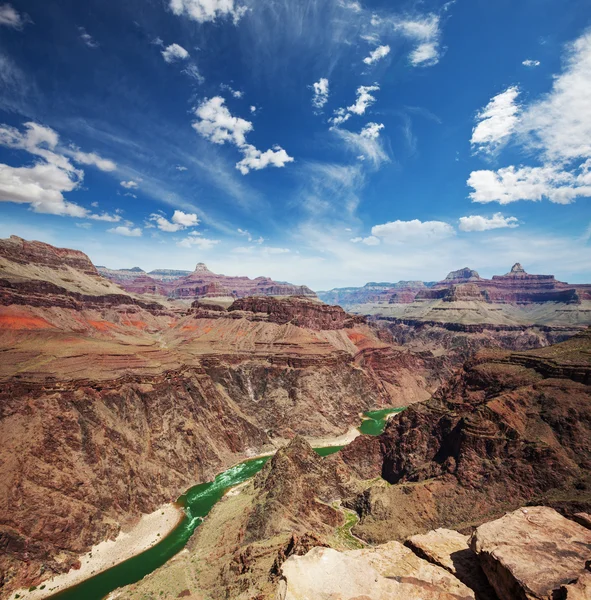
(201, 268)
(517, 269)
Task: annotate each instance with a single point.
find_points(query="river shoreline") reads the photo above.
(151, 529)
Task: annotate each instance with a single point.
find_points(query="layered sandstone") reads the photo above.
(201, 283)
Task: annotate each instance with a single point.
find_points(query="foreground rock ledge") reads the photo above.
(534, 553)
(385, 572)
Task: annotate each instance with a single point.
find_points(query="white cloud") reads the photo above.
(556, 129)
(207, 10)
(320, 93)
(193, 71)
(253, 109)
(366, 144)
(531, 63)
(415, 231)
(180, 168)
(180, 220)
(91, 158)
(174, 52)
(478, 223)
(364, 100)
(129, 185)
(195, 240)
(10, 17)
(106, 217)
(559, 125)
(425, 32)
(218, 125)
(377, 54)
(43, 184)
(511, 184)
(185, 219)
(371, 240)
(254, 159)
(126, 231)
(235, 93)
(87, 38)
(246, 233)
(496, 122)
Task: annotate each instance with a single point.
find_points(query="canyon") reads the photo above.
(114, 403)
(117, 397)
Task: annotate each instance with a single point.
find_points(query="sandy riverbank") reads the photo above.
(150, 530)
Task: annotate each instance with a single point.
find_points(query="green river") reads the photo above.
(196, 502)
(375, 420)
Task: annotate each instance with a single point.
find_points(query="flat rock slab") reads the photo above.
(531, 553)
(450, 550)
(386, 572)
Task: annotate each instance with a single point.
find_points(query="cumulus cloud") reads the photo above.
(180, 220)
(531, 63)
(496, 122)
(377, 54)
(42, 185)
(363, 101)
(174, 52)
(129, 185)
(126, 231)
(415, 231)
(87, 38)
(478, 223)
(195, 240)
(9, 17)
(254, 159)
(207, 10)
(216, 123)
(555, 129)
(320, 93)
(511, 184)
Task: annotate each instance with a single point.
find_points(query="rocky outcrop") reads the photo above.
(497, 436)
(297, 311)
(450, 550)
(385, 572)
(199, 284)
(534, 554)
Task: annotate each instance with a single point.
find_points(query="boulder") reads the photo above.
(450, 550)
(531, 553)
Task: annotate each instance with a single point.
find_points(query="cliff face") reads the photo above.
(111, 405)
(507, 430)
(201, 283)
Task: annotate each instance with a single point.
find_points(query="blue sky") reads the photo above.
(325, 142)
